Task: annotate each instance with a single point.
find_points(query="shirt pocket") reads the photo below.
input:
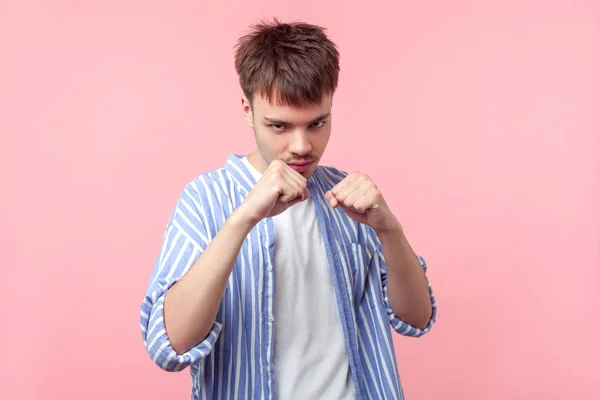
(359, 258)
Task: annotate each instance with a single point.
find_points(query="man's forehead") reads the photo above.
(293, 114)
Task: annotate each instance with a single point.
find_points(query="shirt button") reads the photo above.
(268, 369)
(271, 318)
(270, 268)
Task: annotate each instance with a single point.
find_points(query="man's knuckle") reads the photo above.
(276, 173)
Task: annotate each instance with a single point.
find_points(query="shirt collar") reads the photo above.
(239, 172)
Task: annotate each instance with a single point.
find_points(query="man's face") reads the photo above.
(297, 136)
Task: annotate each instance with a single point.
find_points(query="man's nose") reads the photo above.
(300, 144)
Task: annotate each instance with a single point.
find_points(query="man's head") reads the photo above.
(288, 74)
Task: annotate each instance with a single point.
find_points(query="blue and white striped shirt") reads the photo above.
(235, 359)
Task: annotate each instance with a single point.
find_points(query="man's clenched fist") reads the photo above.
(279, 188)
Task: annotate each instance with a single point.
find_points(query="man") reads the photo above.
(277, 277)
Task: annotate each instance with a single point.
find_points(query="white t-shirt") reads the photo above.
(310, 356)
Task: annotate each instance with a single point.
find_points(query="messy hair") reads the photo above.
(292, 64)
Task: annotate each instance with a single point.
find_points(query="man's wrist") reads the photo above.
(392, 229)
(242, 220)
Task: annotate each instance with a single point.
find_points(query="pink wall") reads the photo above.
(485, 121)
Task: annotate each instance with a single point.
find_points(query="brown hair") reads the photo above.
(295, 62)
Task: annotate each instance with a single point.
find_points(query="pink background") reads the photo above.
(483, 121)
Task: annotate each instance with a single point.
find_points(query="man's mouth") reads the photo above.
(300, 166)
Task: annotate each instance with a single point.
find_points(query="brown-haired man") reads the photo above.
(278, 277)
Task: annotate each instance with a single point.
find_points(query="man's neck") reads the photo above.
(258, 162)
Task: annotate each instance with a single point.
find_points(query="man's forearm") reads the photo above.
(192, 303)
(408, 291)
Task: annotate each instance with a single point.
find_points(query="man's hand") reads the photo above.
(362, 201)
(279, 188)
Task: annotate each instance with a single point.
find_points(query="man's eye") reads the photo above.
(318, 124)
(277, 127)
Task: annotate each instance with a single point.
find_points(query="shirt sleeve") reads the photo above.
(400, 326)
(184, 240)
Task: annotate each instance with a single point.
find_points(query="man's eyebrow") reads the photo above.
(320, 118)
(274, 121)
(280, 122)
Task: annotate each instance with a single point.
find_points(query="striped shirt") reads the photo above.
(235, 360)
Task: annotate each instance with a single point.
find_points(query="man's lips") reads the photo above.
(300, 163)
(300, 166)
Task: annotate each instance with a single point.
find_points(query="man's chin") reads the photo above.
(308, 173)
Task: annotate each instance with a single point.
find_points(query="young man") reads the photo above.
(277, 277)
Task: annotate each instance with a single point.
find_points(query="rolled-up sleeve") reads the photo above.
(183, 243)
(400, 326)
(157, 342)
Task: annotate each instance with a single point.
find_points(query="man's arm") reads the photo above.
(178, 314)
(178, 323)
(197, 295)
(407, 286)
(408, 300)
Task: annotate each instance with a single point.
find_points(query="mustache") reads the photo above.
(300, 160)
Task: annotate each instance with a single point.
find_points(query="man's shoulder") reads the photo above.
(209, 183)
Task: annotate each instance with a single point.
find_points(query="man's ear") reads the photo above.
(247, 109)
